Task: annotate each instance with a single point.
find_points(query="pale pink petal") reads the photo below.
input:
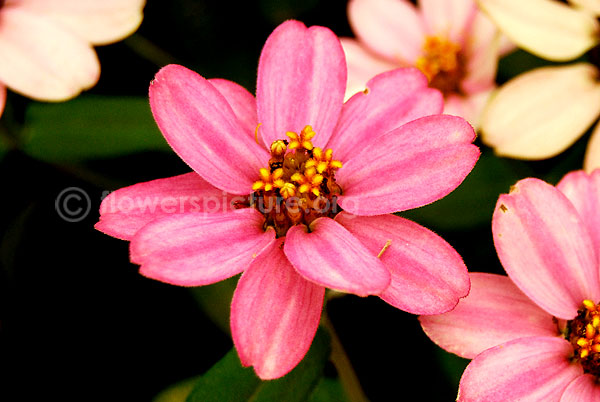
(331, 256)
(545, 247)
(583, 191)
(542, 112)
(428, 275)
(2, 98)
(127, 210)
(449, 19)
(195, 249)
(201, 126)
(362, 66)
(468, 107)
(584, 388)
(481, 52)
(274, 314)
(392, 99)
(42, 60)
(242, 103)
(411, 166)
(494, 312)
(547, 28)
(301, 81)
(98, 22)
(392, 28)
(592, 153)
(525, 369)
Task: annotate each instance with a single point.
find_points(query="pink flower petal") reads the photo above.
(394, 29)
(583, 191)
(99, 22)
(545, 247)
(43, 60)
(197, 249)
(584, 388)
(428, 275)
(482, 51)
(331, 256)
(127, 210)
(362, 65)
(468, 107)
(525, 369)
(411, 166)
(242, 103)
(2, 98)
(450, 19)
(201, 126)
(494, 312)
(301, 81)
(393, 98)
(274, 314)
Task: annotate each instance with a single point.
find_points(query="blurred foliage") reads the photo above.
(90, 127)
(228, 381)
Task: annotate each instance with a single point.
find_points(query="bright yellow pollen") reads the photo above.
(322, 161)
(590, 305)
(310, 181)
(268, 181)
(439, 55)
(302, 140)
(298, 186)
(278, 148)
(583, 333)
(287, 190)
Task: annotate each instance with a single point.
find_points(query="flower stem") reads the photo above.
(342, 364)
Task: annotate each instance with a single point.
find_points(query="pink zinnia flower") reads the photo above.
(46, 48)
(453, 43)
(534, 335)
(272, 208)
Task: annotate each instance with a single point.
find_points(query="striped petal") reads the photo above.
(274, 314)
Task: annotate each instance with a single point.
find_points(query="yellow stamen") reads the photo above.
(590, 305)
(256, 133)
(582, 342)
(439, 55)
(590, 331)
(302, 140)
(287, 190)
(385, 247)
(584, 353)
(278, 148)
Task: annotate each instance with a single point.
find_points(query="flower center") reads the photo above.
(299, 184)
(442, 63)
(584, 334)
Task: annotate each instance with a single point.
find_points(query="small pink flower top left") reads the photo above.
(46, 47)
(294, 188)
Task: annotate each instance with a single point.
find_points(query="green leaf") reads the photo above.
(473, 202)
(299, 384)
(452, 365)
(329, 390)
(230, 382)
(90, 127)
(176, 392)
